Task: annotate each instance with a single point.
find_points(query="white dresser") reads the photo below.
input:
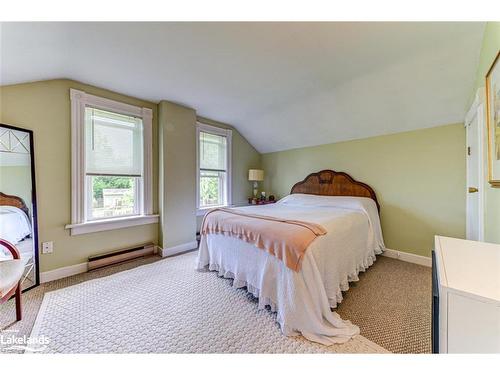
(466, 296)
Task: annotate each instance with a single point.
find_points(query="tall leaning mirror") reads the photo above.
(18, 219)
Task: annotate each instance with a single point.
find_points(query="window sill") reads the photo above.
(110, 224)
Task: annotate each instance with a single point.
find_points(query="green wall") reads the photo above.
(178, 174)
(489, 49)
(16, 180)
(419, 178)
(44, 107)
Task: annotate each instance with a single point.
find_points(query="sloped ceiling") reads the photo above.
(282, 85)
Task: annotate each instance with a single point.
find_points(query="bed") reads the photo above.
(15, 225)
(303, 299)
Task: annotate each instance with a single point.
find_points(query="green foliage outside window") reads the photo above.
(209, 190)
(110, 182)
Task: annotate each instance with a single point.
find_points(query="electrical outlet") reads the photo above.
(47, 247)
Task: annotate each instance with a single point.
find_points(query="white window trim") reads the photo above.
(228, 133)
(110, 224)
(79, 100)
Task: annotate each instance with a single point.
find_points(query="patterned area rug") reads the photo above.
(167, 307)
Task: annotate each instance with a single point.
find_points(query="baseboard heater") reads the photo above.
(118, 256)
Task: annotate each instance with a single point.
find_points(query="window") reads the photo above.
(214, 167)
(111, 164)
(113, 167)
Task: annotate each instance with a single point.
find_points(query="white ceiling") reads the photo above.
(282, 85)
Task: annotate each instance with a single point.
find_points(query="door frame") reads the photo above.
(476, 111)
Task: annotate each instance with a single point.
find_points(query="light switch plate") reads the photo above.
(47, 247)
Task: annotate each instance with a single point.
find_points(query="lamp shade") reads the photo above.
(255, 175)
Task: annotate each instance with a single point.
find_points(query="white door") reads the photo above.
(474, 140)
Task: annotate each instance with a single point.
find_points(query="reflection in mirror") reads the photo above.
(17, 206)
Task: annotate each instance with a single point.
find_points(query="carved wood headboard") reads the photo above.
(12, 200)
(328, 182)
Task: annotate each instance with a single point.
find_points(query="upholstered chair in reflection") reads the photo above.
(11, 273)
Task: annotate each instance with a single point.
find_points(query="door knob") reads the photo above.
(473, 190)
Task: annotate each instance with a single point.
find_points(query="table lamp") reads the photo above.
(255, 175)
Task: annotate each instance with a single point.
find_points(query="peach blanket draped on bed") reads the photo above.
(286, 239)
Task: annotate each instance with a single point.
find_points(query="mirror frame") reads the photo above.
(34, 212)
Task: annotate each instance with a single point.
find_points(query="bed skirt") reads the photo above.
(298, 298)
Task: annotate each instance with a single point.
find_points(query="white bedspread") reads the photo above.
(303, 299)
(14, 224)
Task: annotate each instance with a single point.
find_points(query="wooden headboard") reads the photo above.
(12, 200)
(328, 182)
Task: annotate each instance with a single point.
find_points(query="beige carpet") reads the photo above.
(390, 303)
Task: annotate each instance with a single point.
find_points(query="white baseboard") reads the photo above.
(408, 257)
(59, 273)
(178, 249)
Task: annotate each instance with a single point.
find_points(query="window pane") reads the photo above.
(212, 151)
(113, 143)
(111, 196)
(212, 189)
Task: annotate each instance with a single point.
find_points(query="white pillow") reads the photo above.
(362, 203)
